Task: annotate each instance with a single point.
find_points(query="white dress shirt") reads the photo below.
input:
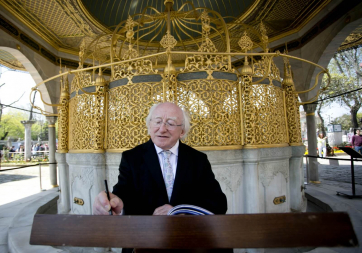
(173, 158)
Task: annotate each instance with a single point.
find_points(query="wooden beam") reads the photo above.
(188, 232)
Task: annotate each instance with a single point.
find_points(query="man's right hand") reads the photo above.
(101, 205)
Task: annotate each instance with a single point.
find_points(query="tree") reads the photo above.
(11, 123)
(345, 121)
(40, 130)
(346, 72)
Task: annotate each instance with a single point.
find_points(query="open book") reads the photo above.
(188, 210)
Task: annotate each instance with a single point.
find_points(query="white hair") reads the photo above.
(185, 121)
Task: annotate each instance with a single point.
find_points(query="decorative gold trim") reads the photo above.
(315, 182)
(117, 150)
(310, 114)
(81, 151)
(62, 151)
(266, 146)
(51, 125)
(231, 147)
(98, 151)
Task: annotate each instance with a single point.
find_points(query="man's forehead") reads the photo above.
(167, 110)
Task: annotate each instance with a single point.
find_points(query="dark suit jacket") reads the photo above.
(142, 188)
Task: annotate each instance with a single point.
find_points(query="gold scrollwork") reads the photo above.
(130, 69)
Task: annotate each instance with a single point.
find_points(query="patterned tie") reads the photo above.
(167, 172)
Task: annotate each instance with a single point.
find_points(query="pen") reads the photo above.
(106, 185)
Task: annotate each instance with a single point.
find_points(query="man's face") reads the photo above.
(162, 135)
(357, 132)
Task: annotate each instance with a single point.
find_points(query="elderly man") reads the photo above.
(163, 172)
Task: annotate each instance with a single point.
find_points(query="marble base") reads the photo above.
(250, 178)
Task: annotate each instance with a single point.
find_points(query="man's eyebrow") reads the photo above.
(159, 117)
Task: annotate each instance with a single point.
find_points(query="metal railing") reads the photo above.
(351, 159)
(34, 154)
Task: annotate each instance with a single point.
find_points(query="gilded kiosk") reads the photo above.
(246, 118)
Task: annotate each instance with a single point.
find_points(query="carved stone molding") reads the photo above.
(267, 171)
(251, 155)
(229, 175)
(275, 153)
(113, 159)
(85, 175)
(224, 156)
(89, 159)
(298, 151)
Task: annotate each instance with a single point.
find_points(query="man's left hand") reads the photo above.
(162, 210)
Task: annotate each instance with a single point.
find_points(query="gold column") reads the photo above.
(247, 110)
(292, 108)
(63, 118)
(99, 116)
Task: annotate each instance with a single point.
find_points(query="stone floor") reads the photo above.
(22, 183)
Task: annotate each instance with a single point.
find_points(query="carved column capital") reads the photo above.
(310, 108)
(52, 120)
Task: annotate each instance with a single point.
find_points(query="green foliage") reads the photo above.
(345, 121)
(11, 122)
(346, 73)
(38, 130)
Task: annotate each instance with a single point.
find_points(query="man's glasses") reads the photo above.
(170, 125)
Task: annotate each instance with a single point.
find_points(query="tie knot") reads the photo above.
(166, 154)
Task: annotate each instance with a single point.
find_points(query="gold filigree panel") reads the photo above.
(81, 80)
(207, 62)
(83, 119)
(63, 122)
(130, 69)
(293, 115)
(267, 68)
(128, 108)
(264, 115)
(214, 110)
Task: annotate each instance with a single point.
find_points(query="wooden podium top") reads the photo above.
(190, 232)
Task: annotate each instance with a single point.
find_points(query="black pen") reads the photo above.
(106, 185)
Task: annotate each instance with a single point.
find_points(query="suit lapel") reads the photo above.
(181, 172)
(153, 165)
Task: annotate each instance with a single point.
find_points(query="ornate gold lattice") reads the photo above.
(83, 123)
(264, 115)
(63, 119)
(128, 108)
(81, 80)
(214, 110)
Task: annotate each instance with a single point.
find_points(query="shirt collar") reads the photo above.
(174, 149)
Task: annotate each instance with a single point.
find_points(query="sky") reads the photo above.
(15, 84)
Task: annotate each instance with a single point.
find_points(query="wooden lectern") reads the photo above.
(280, 230)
